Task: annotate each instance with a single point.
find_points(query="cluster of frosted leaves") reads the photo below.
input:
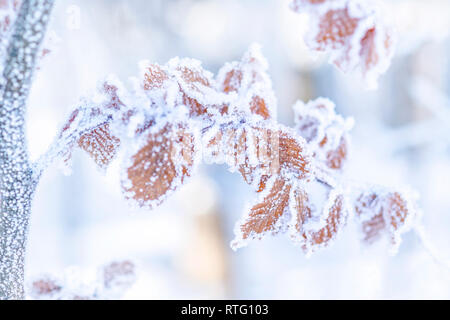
(320, 210)
(159, 148)
(383, 212)
(378, 210)
(110, 282)
(353, 32)
(293, 174)
(158, 126)
(179, 114)
(278, 164)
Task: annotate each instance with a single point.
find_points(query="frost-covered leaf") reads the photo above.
(88, 127)
(319, 234)
(100, 144)
(154, 76)
(318, 214)
(161, 161)
(383, 212)
(258, 150)
(195, 84)
(325, 131)
(264, 217)
(300, 208)
(182, 82)
(248, 78)
(353, 32)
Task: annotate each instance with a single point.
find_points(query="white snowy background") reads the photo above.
(401, 137)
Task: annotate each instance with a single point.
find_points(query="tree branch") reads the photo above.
(16, 184)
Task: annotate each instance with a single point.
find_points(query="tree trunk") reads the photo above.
(16, 177)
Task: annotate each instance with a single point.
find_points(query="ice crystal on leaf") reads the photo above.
(353, 32)
(178, 114)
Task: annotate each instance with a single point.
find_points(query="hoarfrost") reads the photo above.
(326, 132)
(382, 211)
(178, 114)
(353, 32)
(17, 184)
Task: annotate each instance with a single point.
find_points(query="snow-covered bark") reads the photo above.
(16, 184)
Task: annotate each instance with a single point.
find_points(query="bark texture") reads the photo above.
(16, 178)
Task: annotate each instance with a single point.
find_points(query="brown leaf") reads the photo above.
(89, 128)
(382, 213)
(373, 224)
(263, 217)
(337, 157)
(193, 81)
(244, 77)
(279, 153)
(359, 42)
(232, 81)
(325, 131)
(301, 208)
(100, 144)
(334, 28)
(160, 165)
(258, 106)
(336, 219)
(292, 155)
(259, 152)
(154, 77)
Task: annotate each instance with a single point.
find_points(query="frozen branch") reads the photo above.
(16, 184)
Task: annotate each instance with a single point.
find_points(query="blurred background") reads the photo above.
(401, 137)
